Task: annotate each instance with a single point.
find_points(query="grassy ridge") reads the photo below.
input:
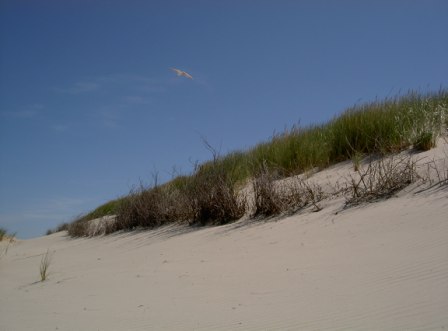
(378, 127)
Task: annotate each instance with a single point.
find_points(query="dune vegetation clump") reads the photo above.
(381, 179)
(3, 233)
(147, 207)
(210, 195)
(45, 265)
(5, 236)
(213, 198)
(61, 227)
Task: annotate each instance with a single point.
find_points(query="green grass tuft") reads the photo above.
(45, 265)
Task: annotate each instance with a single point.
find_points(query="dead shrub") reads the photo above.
(213, 199)
(381, 179)
(146, 208)
(78, 228)
(304, 194)
(290, 198)
(61, 227)
(437, 172)
(268, 200)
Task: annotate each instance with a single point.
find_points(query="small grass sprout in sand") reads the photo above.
(45, 264)
(5, 236)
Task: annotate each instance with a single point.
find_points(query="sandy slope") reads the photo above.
(381, 266)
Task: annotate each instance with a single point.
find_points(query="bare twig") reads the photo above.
(381, 179)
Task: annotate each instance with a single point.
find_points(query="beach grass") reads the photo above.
(45, 265)
(209, 194)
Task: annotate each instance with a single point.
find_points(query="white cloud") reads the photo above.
(115, 95)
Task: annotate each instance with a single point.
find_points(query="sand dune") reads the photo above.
(379, 266)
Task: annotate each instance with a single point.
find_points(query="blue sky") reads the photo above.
(89, 107)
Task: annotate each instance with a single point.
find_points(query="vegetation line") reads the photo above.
(210, 195)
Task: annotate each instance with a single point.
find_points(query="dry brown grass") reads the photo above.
(270, 199)
(10, 238)
(381, 179)
(79, 228)
(213, 200)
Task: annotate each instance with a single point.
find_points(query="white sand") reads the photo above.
(381, 266)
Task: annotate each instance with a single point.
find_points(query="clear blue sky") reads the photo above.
(89, 107)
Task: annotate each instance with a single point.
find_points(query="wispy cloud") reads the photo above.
(60, 127)
(57, 208)
(126, 78)
(109, 117)
(30, 219)
(27, 112)
(116, 95)
(111, 81)
(137, 100)
(79, 87)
